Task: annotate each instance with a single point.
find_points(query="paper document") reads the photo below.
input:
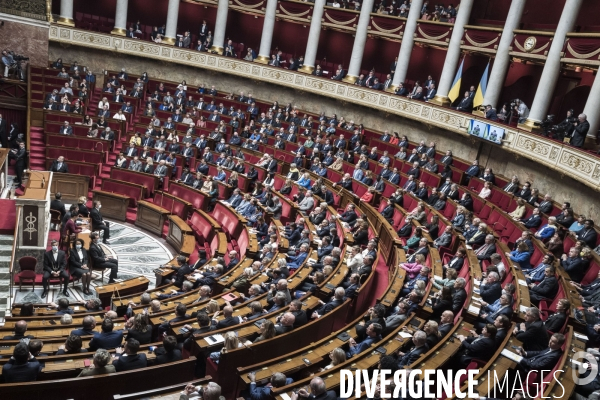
(405, 334)
(511, 356)
(580, 336)
(214, 339)
(477, 299)
(285, 396)
(473, 310)
(522, 282)
(437, 277)
(522, 308)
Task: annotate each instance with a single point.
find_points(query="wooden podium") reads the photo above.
(35, 202)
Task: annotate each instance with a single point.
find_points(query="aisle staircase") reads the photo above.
(6, 242)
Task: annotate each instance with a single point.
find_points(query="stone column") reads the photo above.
(121, 18)
(360, 39)
(220, 26)
(171, 28)
(408, 40)
(545, 89)
(264, 52)
(592, 110)
(452, 55)
(502, 59)
(310, 55)
(66, 13)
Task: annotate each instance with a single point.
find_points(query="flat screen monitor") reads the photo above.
(491, 133)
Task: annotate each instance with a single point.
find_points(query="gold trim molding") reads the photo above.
(559, 157)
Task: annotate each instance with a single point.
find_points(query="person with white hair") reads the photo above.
(582, 126)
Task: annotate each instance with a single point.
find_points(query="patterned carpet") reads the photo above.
(138, 252)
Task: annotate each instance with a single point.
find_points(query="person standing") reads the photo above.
(98, 222)
(19, 155)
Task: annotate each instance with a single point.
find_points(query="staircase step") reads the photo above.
(5, 247)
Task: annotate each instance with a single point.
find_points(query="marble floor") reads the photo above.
(138, 252)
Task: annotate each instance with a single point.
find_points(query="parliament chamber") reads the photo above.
(241, 200)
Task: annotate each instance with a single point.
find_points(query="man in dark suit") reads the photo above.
(532, 333)
(546, 289)
(336, 301)
(534, 220)
(55, 263)
(446, 323)
(430, 93)
(482, 347)
(87, 328)
(401, 90)
(129, 358)
(300, 315)
(349, 216)
(169, 352)
(58, 205)
(459, 296)
(582, 126)
(20, 368)
(490, 113)
(318, 391)
(285, 323)
(20, 157)
(466, 104)
(98, 224)
(228, 321)
(181, 271)
(107, 339)
(543, 359)
(101, 261)
(487, 249)
(490, 290)
(59, 165)
(420, 341)
(20, 329)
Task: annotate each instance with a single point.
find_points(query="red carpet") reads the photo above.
(7, 220)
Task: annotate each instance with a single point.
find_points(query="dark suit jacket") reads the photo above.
(106, 340)
(541, 360)
(329, 306)
(546, 289)
(75, 261)
(490, 293)
(163, 357)
(63, 168)
(61, 261)
(482, 348)
(97, 254)
(458, 300)
(27, 372)
(225, 323)
(535, 337)
(58, 206)
(412, 355)
(555, 322)
(96, 218)
(126, 362)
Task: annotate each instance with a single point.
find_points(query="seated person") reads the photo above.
(169, 352)
(546, 289)
(73, 345)
(542, 359)
(99, 365)
(336, 301)
(420, 347)
(128, 358)
(107, 339)
(20, 368)
(264, 392)
(481, 348)
(373, 335)
(20, 330)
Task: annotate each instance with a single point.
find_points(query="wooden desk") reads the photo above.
(114, 205)
(151, 217)
(71, 186)
(180, 235)
(130, 286)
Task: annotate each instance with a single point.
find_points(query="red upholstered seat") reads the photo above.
(27, 274)
(148, 181)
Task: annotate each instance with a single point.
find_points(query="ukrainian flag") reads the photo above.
(455, 89)
(480, 93)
